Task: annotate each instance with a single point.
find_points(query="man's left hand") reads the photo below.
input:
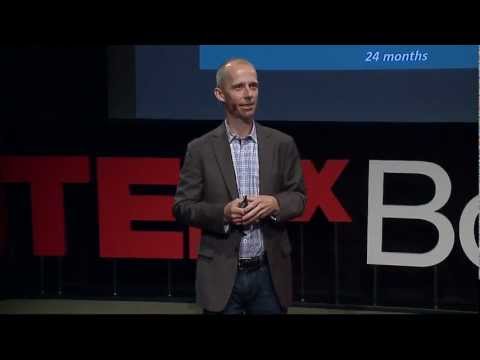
(259, 207)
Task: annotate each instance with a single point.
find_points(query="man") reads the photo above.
(240, 183)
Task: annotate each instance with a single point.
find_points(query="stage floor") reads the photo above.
(67, 306)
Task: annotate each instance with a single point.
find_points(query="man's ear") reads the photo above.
(219, 94)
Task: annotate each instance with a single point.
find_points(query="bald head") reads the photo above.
(222, 71)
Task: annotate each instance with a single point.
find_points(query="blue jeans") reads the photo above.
(253, 293)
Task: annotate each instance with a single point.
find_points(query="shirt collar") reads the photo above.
(231, 135)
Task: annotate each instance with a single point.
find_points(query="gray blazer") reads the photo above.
(207, 183)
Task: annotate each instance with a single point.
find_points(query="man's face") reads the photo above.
(239, 91)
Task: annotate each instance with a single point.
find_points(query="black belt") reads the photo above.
(251, 264)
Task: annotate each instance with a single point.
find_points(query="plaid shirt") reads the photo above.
(245, 161)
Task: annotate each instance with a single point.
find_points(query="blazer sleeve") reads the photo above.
(189, 207)
(292, 197)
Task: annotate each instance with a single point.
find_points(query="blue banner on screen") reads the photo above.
(336, 57)
(315, 83)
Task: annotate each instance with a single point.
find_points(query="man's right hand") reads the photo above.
(233, 213)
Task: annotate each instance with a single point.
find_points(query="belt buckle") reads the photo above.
(243, 264)
(250, 264)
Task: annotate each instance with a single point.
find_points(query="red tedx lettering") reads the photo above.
(117, 208)
(319, 191)
(46, 175)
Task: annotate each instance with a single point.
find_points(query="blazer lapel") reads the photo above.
(224, 159)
